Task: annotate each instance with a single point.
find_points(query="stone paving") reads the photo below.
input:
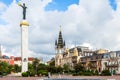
(20, 78)
(90, 77)
(63, 77)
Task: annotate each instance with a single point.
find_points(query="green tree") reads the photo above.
(59, 69)
(52, 69)
(4, 68)
(17, 68)
(66, 68)
(42, 69)
(30, 67)
(78, 67)
(35, 64)
(52, 63)
(11, 68)
(42, 66)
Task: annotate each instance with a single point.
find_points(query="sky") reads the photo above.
(92, 23)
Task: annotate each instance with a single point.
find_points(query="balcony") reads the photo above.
(112, 65)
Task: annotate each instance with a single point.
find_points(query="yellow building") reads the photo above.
(101, 51)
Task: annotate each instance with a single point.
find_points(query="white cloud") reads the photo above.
(2, 7)
(91, 22)
(87, 45)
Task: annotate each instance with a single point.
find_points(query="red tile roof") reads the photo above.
(19, 58)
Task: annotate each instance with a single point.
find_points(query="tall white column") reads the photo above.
(24, 45)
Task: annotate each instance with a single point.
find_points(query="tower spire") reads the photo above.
(55, 43)
(60, 40)
(60, 28)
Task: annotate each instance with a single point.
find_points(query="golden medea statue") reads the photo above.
(24, 10)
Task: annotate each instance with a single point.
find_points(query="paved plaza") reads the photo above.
(63, 77)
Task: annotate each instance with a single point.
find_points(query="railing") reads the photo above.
(112, 65)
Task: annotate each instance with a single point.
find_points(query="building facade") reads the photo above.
(111, 61)
(92, 62)
(99, 60)
(17, 60)
(4, 58)
(8, 60)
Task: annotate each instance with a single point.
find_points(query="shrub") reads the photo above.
(25, 74)
(1, 73)
(42, 72)
(32, 73)
(87, 74)
(106, 73)
(45, 73)
(96, 72)
(114, 72)
(28, 72)
(75, 74)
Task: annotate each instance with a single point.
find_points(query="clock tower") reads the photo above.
(59, 49)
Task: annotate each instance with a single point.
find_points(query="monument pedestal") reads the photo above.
(24, 45)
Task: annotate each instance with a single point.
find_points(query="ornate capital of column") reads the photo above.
(24, 22)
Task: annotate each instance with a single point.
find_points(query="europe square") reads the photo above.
(59, 40)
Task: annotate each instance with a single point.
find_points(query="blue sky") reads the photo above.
(113, 4)
(61, 5)
(7, 1)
